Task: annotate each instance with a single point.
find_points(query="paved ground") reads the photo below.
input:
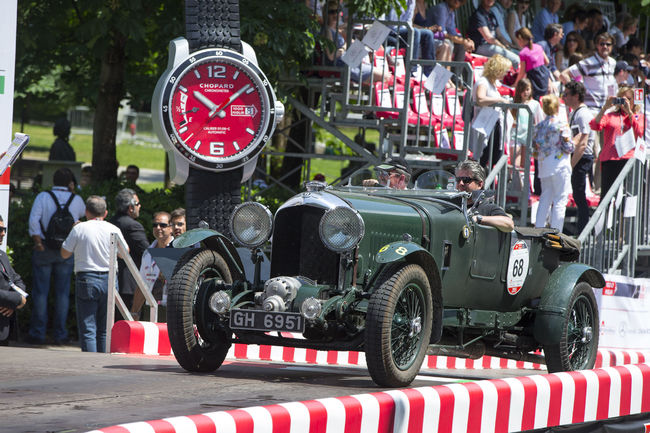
(60, 389)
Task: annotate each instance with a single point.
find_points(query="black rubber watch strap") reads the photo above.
(212, 23)
(211, 197)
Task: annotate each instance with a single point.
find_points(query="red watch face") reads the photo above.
(217, 109)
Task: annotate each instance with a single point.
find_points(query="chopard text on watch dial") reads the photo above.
(218, 109)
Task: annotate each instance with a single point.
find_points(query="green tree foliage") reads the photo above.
(100, 52)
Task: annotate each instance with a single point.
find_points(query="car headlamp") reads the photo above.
(251, 224)
(341, 229)
(219, 302)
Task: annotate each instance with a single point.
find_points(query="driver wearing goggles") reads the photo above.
(394, 173)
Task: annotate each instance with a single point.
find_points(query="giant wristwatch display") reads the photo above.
(213, 110)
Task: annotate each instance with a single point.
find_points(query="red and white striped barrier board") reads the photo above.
(152, 339)
(490, 406)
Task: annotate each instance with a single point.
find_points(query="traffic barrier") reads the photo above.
(140, 337)
(500, 405)
(152, 339)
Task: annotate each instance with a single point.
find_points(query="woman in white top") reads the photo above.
(486, 93)
(517, 18)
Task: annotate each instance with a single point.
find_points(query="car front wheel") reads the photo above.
(578, 345)
(194, 347)
(398, 325)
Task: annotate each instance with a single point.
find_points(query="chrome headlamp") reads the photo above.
(341, 229)
(219, 302)
(251, 224)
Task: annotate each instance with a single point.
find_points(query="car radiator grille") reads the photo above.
(297, 248)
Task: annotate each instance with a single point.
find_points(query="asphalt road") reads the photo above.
(64, 390)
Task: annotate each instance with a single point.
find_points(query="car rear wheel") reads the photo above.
(398, 325)
(194, 348)
(578, 346)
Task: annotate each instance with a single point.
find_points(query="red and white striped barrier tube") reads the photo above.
(140, 337)
(490, 406)
(152, 339)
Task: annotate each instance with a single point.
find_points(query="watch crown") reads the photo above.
(279, 111)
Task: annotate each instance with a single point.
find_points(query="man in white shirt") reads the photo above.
(47, 262)
(597, 73)
(90, 242)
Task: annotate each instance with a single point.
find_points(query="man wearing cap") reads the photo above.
(470, 176)
(394, 173)
(622, 72)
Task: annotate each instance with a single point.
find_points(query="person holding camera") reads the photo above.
(615, 124)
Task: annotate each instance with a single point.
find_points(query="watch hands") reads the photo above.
(204, 100)
(214, 109)
(237, 94)
(193, 110)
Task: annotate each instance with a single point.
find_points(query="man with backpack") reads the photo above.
(50, 221)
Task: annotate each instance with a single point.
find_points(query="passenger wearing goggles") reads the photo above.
(394, 173)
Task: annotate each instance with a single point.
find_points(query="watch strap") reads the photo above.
(212, 24)
(212, 197)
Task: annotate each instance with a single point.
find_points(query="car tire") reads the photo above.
(578, 345)
(398, 325)
(194, 349)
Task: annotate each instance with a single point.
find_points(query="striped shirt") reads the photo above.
(598, 77)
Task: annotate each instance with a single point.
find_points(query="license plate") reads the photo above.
(266, 321)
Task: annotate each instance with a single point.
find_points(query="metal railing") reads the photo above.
(618, 229)
(118, 247)
(509, 176)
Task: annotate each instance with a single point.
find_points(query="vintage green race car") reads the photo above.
(396, 274)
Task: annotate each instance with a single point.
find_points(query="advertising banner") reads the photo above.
(624, 307)
(7, 67)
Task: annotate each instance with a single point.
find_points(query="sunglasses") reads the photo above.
(178, 224)
(137, 203)
(3, 229)
(466, 179)
(605, 44)
(161, 225)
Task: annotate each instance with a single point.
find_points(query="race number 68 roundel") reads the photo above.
(517, 267)
(216, 107)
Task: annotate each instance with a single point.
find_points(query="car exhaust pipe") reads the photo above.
(472, 351)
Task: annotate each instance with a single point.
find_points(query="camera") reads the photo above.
(619, 101)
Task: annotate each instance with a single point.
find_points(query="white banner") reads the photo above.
(7, 66)
(624, 307)
(8, 19)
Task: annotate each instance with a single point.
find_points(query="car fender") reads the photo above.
(414, 253)
(215, 241)
(555, 298)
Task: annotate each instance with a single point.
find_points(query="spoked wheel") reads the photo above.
(398, 325)
(194, 347)
(578, 346)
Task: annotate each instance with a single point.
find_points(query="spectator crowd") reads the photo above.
(576, 69)
(70, 236)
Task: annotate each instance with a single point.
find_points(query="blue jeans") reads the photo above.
(47, 264)
(423, 44)
(488, 50)
(92, 296)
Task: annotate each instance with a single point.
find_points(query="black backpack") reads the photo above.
(60, 224)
